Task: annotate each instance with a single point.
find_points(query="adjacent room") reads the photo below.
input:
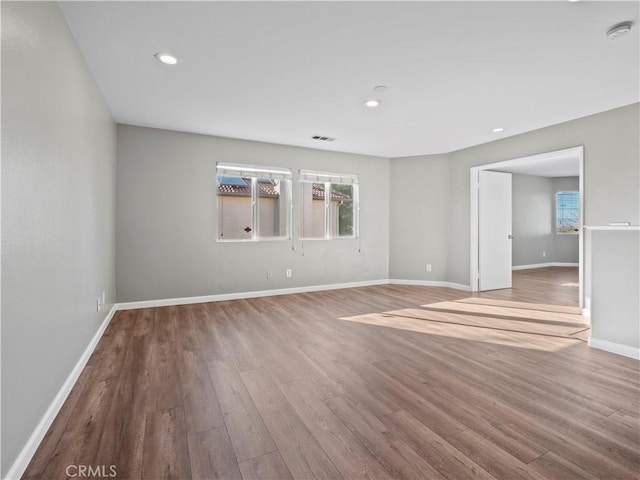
(332, 240)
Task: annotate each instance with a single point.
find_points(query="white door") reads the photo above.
(494, 230)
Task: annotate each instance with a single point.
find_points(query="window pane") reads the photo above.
(567, 212)
(273, 212)
(313, 211)
(234, 208)
(342, 209)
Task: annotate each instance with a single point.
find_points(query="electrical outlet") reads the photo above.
(269, 274)
(429, 268)
(544, 253)
(98, 305)
(288, 273)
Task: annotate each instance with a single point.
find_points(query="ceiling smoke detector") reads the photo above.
(619, 30)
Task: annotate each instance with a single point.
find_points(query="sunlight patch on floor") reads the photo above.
(503, 323)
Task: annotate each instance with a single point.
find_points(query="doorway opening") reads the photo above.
(566, 163)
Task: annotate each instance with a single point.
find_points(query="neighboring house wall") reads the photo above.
(314, 224)
(566, 248)
(533, 219)
(58, 213)
(166, 220)
(270, 211)
(334, 218)
(234, 216)
(312, 218)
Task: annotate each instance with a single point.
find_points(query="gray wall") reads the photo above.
(611, 172)
(566, 248)
(611, 184)
(615, 305)
(58, 213)
(611, 143)
(533, 219)
(166, 220)
(59, 209)
(419, 223)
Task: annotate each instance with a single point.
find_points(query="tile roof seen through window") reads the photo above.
(266, 188)
(318, 194)
(242, 187)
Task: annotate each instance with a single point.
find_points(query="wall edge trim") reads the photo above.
(164, 302)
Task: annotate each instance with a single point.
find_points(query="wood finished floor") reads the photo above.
(369, 382)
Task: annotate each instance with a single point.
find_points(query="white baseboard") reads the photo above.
(430, 283)
(544, 265)
(165, 302)
(28, 451)
(616, 348)
(241, 295)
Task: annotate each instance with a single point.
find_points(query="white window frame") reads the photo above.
(254, 173)
(555, 226)
(328, 179)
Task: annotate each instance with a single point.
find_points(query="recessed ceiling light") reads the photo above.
(166, 58)
(372, 103)
(573, 1)
(619, 30)
(380, 88)
(498, 130)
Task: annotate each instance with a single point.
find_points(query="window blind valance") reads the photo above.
(326, 177)
(253, 171)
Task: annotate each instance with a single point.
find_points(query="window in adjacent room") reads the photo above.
(328, 205)
(568, 213)
(254, 203)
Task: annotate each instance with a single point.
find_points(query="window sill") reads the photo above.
(327, 239)
(251, 240)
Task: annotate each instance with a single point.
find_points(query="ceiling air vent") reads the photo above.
(323, 139)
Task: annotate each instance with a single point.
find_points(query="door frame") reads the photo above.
(474, 211)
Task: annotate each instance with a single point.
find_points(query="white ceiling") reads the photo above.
(563, 163)
(282, 72)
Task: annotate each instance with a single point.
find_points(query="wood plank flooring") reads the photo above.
(378, 382)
